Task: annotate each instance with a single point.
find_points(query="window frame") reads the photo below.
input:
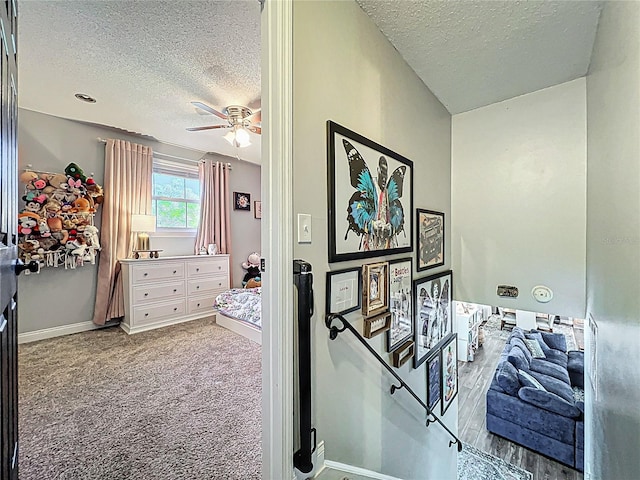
(179, 170)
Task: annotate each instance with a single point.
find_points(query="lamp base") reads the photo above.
(143, 241)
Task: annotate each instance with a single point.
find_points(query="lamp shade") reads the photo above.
(143, 223)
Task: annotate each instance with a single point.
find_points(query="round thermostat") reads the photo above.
(542, 294)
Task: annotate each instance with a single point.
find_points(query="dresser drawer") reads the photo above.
(208, 267)
(212, 285)
(150, 273)
(197, 305)
(153, 292)
(151, 313)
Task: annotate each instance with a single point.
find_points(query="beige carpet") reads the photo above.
(181, 402)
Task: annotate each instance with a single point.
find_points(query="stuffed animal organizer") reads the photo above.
(55, 226)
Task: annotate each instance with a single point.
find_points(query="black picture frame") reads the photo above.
(241, 201)
(350, 157)
(333, 278)
(434, 379)
(430, 239)
(433, 317)
(400, 302)
(449, 365)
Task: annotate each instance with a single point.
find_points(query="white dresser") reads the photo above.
(167, 290)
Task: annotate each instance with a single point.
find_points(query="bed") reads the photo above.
(240, 310)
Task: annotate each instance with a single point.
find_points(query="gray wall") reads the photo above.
(518, 199)
(613, 245)
(58, 297)
(345, 70)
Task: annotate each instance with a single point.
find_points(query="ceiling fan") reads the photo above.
(238, 120)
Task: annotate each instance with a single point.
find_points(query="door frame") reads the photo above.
(277, 239)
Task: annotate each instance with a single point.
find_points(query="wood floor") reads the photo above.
(474, 380)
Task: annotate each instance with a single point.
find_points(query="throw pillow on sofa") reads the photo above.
(543, 345)
(528, 380)
(535, 348)
(553, 385)
(519, 343)
(507, 378)
(554, 340)
(549, 401)
(549, 368)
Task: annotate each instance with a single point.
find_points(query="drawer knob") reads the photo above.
(197, 269)
(198, 305)
(175, 290)
(175, 308)
(219, 267)
(145, 274)
(175, 271)
(146, 294)
(197, 287)
(220, 284)
(146, 314)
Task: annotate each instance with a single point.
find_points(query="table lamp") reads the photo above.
(143, 224)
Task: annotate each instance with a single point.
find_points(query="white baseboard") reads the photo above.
(56, 331)
(343, 467)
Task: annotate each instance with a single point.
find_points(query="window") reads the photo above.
(176, 196)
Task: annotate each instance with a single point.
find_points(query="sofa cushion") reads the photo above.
(519, 343)
(518, 359)
(535, 348)
(507, 378)
(534, 335)
(557, 357)
(553, 385)
(549, 368)
(528, 380)
(553, 340)
(548, 401)
(518, 332)
(575, 366)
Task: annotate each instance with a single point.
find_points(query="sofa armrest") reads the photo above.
(548, 401)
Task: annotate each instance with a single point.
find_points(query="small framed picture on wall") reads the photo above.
(344, 291)
(375, 288)
(241, 201)
(430, 241)
(257, 209)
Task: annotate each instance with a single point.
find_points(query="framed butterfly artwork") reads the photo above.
(370, 197)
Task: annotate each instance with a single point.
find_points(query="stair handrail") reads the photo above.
(333, 334)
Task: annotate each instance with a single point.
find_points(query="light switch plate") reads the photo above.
(542, 294)
(304, 228)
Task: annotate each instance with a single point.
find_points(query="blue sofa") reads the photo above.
(532, 400)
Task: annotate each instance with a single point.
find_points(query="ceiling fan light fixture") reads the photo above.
(238, 137)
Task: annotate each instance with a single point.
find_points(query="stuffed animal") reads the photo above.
(28, 223)
(43, 226)
(90, 234)
(94, 191)
(28, 177)
(57, 180)
(253, 273)
(252, 266)
(253, 283)
(81, 205)
(75, 172)
(35, 204)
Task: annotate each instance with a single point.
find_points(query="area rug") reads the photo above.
(177, 403)
(474, 464)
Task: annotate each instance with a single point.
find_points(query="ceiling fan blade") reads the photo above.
(257, 114)
(207, 108)
(255, 129)
(210, 127)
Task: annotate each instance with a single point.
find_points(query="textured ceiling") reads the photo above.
(143, 61)
(474, 53)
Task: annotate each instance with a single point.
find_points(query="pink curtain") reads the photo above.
(128, 170)
(214, 225)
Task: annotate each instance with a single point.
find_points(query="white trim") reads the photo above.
(165, 323)
(277, 240)
(343, 467)
(245, 329)
(57, 331)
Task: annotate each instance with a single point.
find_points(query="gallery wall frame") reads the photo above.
(449, 362)
(257, 209)
(403, 354)
(241, 201)
(374, 326)
(344, 291)
(432, 313)
(400, 302)
(375, 288)
(370, 211)
(430, 239)
(434, 379)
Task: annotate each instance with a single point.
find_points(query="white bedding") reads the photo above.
(242, 304)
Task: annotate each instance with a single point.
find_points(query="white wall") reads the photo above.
(612, 429)
(345, 70)
(518, 199)
(50, 143)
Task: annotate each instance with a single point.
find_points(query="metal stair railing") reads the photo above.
(333, 334)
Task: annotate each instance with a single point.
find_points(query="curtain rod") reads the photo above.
(201, 160)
